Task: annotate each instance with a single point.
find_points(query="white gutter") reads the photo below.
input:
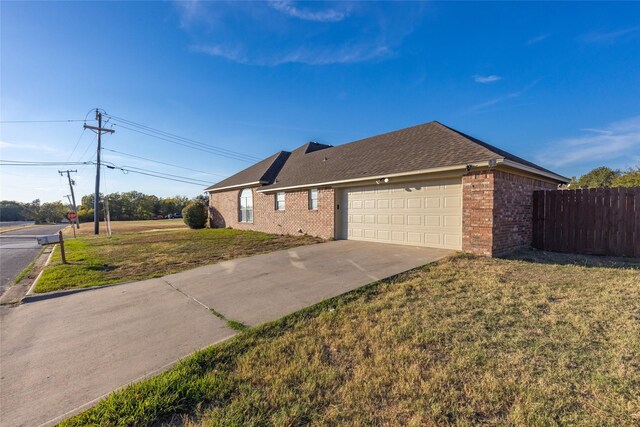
(484, 164)
(536, 171)
(231, 187)
(370, 178)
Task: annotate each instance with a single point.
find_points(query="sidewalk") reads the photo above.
(61, 354)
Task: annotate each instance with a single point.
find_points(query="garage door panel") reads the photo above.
(414, 220)
(432, 239)
(397, 236)
(432, 221)
(452, 221)
(414, 203)
(452, 202)
(397, 219)
(426, 213)
(452, 240)
(383, 219)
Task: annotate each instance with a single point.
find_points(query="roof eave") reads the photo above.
(374, 177)
(231, 187)
(536, 171)
(476, 165)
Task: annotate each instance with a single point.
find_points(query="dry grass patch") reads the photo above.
(98, 260)
(466, 341)
(120, 227)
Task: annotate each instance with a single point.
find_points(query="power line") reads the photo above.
(133, 169)
(27, 163)
(163, 163)
(189, 140)
(185, 145)
(40, 121)
(186, 142)
(77, 142)
(125, 170)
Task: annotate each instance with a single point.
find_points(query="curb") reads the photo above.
(142, 377)
(35, 282)
(33, 297)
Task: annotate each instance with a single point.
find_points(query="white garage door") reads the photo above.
(421, 214)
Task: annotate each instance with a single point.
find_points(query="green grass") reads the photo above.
(144, 254)
(27, 269)
(233, 324)
(538, 340)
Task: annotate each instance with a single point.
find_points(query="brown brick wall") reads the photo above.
(295, 219)
(497, 211)
(477, 213)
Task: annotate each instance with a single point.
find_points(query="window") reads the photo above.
(280, 201)
(313, 199)
(246, 205)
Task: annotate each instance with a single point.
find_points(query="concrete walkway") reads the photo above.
(62, 354)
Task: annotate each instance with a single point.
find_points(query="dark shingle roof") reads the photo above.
(264, 172)
(427, 146)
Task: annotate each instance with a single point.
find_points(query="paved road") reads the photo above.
(18, 248)
(60, 355)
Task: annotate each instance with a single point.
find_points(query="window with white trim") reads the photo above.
(280, 201)
(313, 199)
(246, 205)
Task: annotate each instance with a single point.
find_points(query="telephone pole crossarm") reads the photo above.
(99, 129)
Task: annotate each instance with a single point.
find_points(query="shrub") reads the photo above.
(195, 215)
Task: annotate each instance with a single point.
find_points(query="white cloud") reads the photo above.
(20, 146)
(486, 79)
(610, 36)
(537, 39)
(503, 98)
(312, 55)
(618, 141)
(264, 34)
(326, 15)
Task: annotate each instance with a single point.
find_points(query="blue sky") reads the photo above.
(556, 83)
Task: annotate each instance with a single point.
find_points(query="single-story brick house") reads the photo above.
(426, 185)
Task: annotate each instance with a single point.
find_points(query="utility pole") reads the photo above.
(96, 198)
(73, 196)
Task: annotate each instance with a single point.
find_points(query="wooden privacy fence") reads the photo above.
(598, 221)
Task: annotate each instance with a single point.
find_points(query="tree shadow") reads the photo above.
(581, 260)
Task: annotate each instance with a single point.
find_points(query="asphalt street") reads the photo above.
(18, 248)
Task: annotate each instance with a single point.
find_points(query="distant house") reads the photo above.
(426, 185)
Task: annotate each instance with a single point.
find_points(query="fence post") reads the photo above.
(64, 258)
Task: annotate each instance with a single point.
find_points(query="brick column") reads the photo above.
(497, 209)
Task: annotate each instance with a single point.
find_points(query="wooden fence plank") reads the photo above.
(604, 221)
(629, 217)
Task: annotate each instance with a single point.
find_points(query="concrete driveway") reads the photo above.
(61, 354)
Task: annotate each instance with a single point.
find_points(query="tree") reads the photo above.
(12, 211)
(51, 213)
(202, 199)
(630, 178)
(598, 178)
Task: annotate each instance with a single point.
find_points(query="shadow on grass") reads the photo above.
(560, 258)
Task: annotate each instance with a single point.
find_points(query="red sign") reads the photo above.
(72, 215)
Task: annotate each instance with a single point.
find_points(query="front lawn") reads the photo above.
(150, 252)
(538, 340)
